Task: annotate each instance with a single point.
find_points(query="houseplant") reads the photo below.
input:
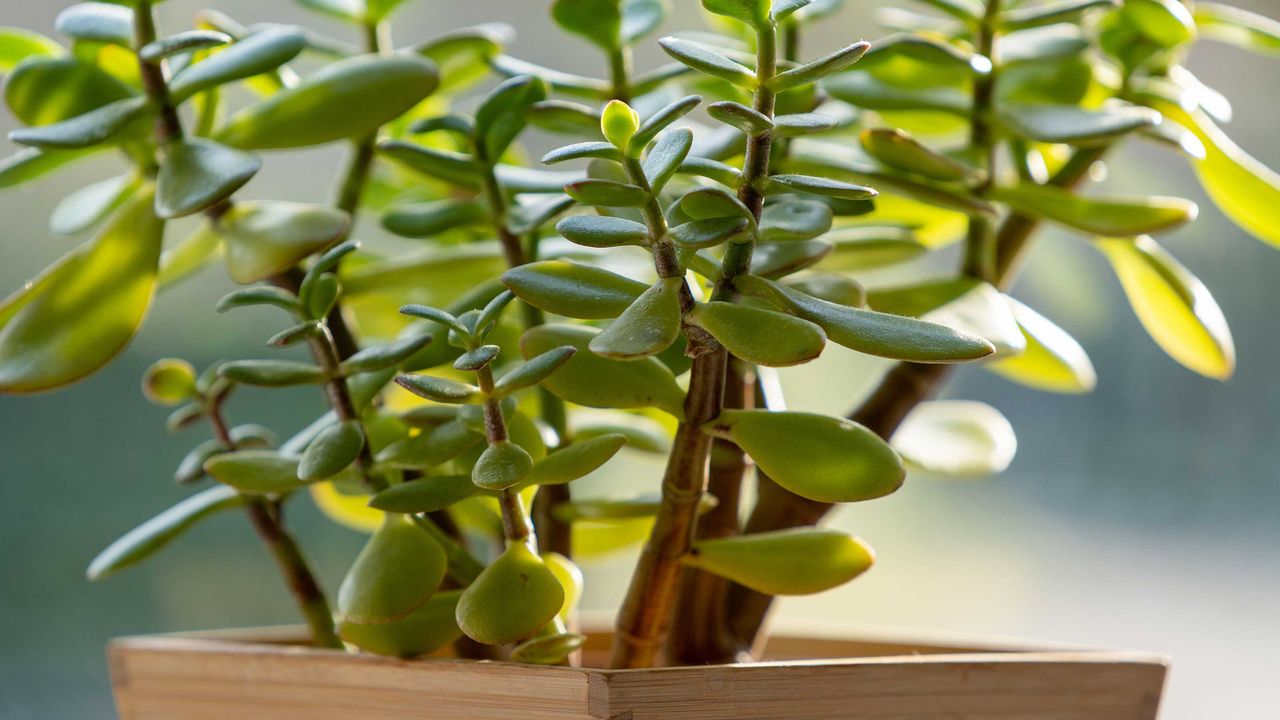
(472, 515)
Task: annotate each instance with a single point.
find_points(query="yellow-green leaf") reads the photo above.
(647, 327)
(760, 336)
(395, 574)
(1053, 360)
(419, 633)
(785, 562)
(513, 598)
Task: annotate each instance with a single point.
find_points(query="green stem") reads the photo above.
(515, 521)
(980, 249)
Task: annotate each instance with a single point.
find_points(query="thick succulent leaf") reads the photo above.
(1050, 13)
(421, 632)
(425, 495)
(256, 472)
(659, 121)
(515, 597)
(184, 42)
(794, 219)
(399, 569)
(533, 372)
(31, 164)
(1173, 305)
(648, 326)
(440, 390)
(44, 90)
(462, 56)
(152, 536)
(779, 259)
(964, 304)
(599, 231)
(84, 310)
(747, 119)
(1076, 125)
(271, 373)
(1106, 216)
(386, 355)
(799, 561)
(429, 449)
(502, 465)
(899, 150)
(267, 237)
(700, 234)
(573, 290)
(862, 248)
(86, 208)
(197, 174)
(97, 22)
(665, 157)
(1233, 25)
(1244, 189)
(594, 381)
(875, 333)
(818, 457)
(579, 459)
(109, 123)
(705, 60)
(582, 151)
(331, 452)
(813, 185)
(503, 115)
(1168, 23)
(261, 52)
(956, 438)
(756, 13)
(607, 193)
(760, 336)
(18, 44)
(597, 21)
(347, 99)
(814, 71)
(1053, 360)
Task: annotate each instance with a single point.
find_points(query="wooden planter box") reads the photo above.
(265, 675)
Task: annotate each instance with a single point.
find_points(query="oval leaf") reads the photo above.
(786, 562)
(760, 336)
(331, 452)
(513, 598)
(956, 438)
(395, 574)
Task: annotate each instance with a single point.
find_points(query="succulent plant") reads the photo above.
(715, 222)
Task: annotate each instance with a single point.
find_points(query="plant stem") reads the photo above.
(903, 388)
(515, 521)
(646, 612)
(980, 249)
(267, 518)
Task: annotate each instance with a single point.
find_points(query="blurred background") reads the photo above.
(1143, 516)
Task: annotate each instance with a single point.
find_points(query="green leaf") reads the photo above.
(31, 164)
(594, 381)
(973, 307)
(511, 600)
(442, 164)
(1071, 124)
(182, 43)
(18, 44)
(399, 569)
(42, 91)
(874, 333)
(760, 336)
(331, 452)
(384, 356)
(429, 449)
(648, 326)
(260, 295)
(799, 561)
(779, 259)
(607, 193)
(618, 124)
(968, 11)
(659, 121)
(169, 382)
(502, 115)
(748, 120)
(474, 360)
(97, 22)
(271, 373)
(346, 99)
(832, 287)
(812, 72)
(1049, 13)
(566, 83)
(268, 237)
(818, 457)
(421, 632)
(1173, 305)
(665, 157)
(598, 231)
(1053, 360)
(1106, 216)
(502, 465)
(755, 13)
(440, 389)
(86, 208)
(794, 219)
(548, 649)
(1168, 23)
(797, 124)
(378, 10)
(581, 458)
(582, 151)
(78, 315)
(699, 234)
(783, 9)
(425, 495)
(256, 472)
(533, 372)
(597, 21)
(106, 124)
(775, 184)
(1228, 24)
(898, 150)
(261, 52)
(1246, 191)
(564, 117)
(708, 203)
(705, 60)
(197, 174)
(956, 438)
(573, 290)
(152, 536)
(348, 10)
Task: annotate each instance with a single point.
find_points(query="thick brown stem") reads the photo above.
(268, 521)
(646, 612)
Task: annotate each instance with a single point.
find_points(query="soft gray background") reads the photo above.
(1142, 516)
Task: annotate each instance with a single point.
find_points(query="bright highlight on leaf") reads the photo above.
(956, 438)
(785, 562)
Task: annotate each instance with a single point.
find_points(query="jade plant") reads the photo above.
(696, 227)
